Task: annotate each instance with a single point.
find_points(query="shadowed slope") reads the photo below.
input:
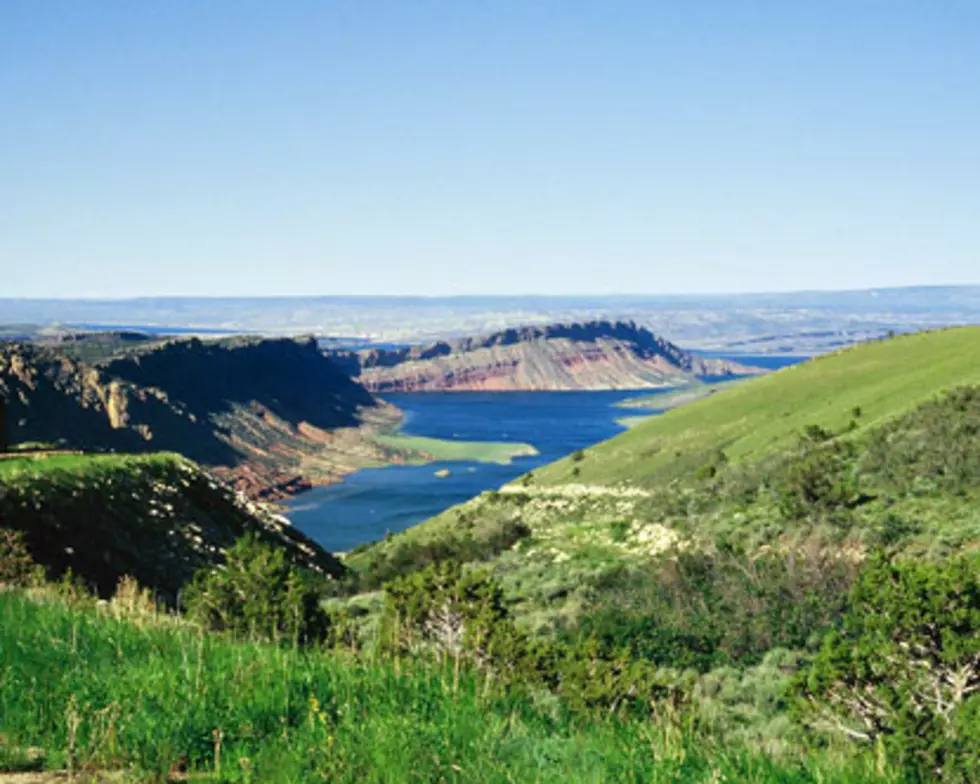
(158, 518)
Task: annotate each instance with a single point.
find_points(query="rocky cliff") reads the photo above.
(270, 416)
(595, 355)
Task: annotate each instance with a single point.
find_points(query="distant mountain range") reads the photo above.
(792, 322)
(594, 355)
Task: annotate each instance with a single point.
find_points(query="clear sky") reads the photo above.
(232, 147)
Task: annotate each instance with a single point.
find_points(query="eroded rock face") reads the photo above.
(595, 355)
(54, 399)
(269, 416)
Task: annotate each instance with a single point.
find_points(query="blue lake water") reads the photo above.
(369, 503)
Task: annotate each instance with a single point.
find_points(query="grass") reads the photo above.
(633, 421)
(71, 469)
(157, 700)
(756, 416)
(672, 399)
(31, 446)
(438, 449)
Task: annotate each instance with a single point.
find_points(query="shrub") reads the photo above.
(16, 565)
(452, 611)
(406, 554)
(703, 610)
(710, 469)
(903, 670)
(819, 482)
(257, 594)
(444, 610)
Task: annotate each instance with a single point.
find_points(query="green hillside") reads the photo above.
(753, 417)
(158, 518)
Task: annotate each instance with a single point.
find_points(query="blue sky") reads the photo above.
(241, 147)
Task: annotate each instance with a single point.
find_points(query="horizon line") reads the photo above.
(612, 295)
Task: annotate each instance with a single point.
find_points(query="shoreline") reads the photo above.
(398, 449)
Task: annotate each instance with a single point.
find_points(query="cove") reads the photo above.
(375, 501)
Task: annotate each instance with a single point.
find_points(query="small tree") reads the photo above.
(3, 425)
(819, 482)
(904, 669)
(258, 595)
(16, 565)
(446, 609)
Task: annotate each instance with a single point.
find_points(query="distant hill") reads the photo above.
(593, 355)
(269, 415)
(803, 323)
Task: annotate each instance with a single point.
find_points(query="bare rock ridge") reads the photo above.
(268, 415)
(594, 355)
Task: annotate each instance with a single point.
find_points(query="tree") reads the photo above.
(16, 565)
(904, 668)
(258, 595)
(447, 609)
(819, 482)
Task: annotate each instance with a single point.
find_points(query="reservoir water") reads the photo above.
(370, 503)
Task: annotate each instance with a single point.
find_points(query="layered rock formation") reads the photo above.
(596, 355)
(271, 416)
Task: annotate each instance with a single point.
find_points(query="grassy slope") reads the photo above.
(152, 697)
(156, 517)
(883, 379)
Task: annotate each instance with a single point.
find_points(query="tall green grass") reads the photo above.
(159, 699)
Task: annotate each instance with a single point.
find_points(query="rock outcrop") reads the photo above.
(269, 416)
(595, 355)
